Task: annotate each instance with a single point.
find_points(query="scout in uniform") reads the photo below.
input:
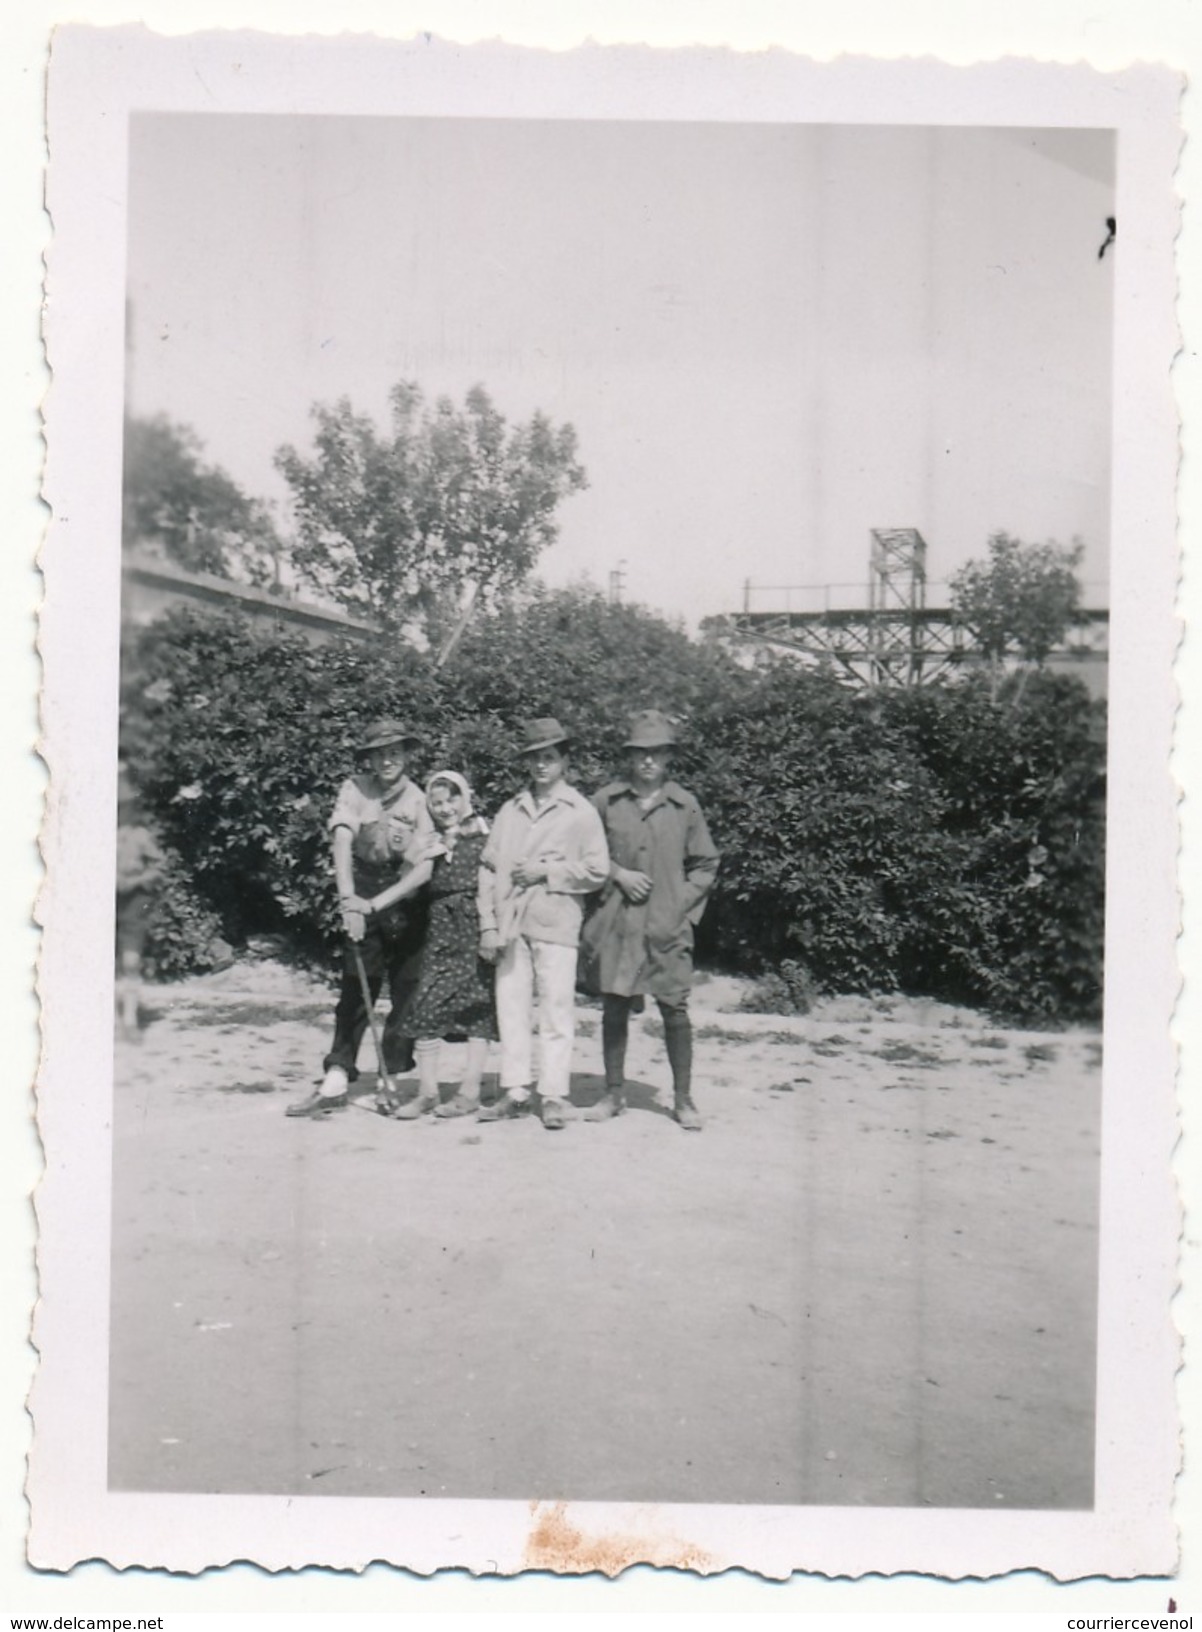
(380, 820)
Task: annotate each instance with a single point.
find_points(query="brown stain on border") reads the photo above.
(555, 1544)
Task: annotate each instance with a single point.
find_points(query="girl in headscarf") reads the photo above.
(454, 996)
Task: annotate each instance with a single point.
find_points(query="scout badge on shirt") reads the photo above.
(400, 829)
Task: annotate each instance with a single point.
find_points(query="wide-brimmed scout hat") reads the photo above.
(650, 729)
(544, 733)
(384, 733)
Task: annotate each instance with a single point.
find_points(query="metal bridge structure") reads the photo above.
(897, 639)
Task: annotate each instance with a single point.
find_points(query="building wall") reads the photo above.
(151, 586)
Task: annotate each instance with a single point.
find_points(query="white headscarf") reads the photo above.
(468, 822)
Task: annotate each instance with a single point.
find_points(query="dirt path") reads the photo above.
(869, 1280)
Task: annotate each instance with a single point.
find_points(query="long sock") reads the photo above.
(428, 1051)
(615, 1025)
(473, 1071)
(678, 1035)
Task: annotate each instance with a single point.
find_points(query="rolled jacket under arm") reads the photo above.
(565, 836)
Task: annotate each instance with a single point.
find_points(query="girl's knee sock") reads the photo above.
(427, 1050)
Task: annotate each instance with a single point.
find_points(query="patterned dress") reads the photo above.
(454, 997)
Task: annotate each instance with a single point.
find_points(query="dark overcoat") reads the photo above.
(629, 948)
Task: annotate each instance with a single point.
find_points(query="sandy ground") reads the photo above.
(869, 1280)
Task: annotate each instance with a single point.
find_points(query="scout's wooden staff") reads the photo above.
(391, 1092)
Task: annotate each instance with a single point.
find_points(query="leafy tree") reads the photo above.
(196, 512)
(398, 527)
(1019, 602)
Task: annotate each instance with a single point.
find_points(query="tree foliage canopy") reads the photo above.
(192, 510)
(396, 527)
(1021, 600)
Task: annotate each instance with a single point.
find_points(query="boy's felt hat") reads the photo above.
(650, 729)
(385, 732)
(544, 733)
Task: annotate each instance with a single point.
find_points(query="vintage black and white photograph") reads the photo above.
(668, 560)
(610, 890)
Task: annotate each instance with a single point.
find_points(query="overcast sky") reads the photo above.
(769, 338)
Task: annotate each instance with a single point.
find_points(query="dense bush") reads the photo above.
(1024, 785)
(831, 832)
(183, 935)
(590, 664)
(936, 840)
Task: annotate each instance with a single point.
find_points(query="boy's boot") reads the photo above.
(615, 1026)
(553, 1114)
(678, 1036)
(513, 1102)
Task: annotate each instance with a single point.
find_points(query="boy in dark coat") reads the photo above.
(662, 866)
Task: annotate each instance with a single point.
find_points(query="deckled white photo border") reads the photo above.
(97, 77)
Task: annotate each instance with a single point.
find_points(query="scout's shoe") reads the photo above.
(686, 1114)
(331, 1096)
(610, 1104)
(553, 1114)
(503, 1109)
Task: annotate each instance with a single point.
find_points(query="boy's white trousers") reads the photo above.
(526, 968)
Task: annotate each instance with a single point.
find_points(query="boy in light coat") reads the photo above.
(545, 853)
